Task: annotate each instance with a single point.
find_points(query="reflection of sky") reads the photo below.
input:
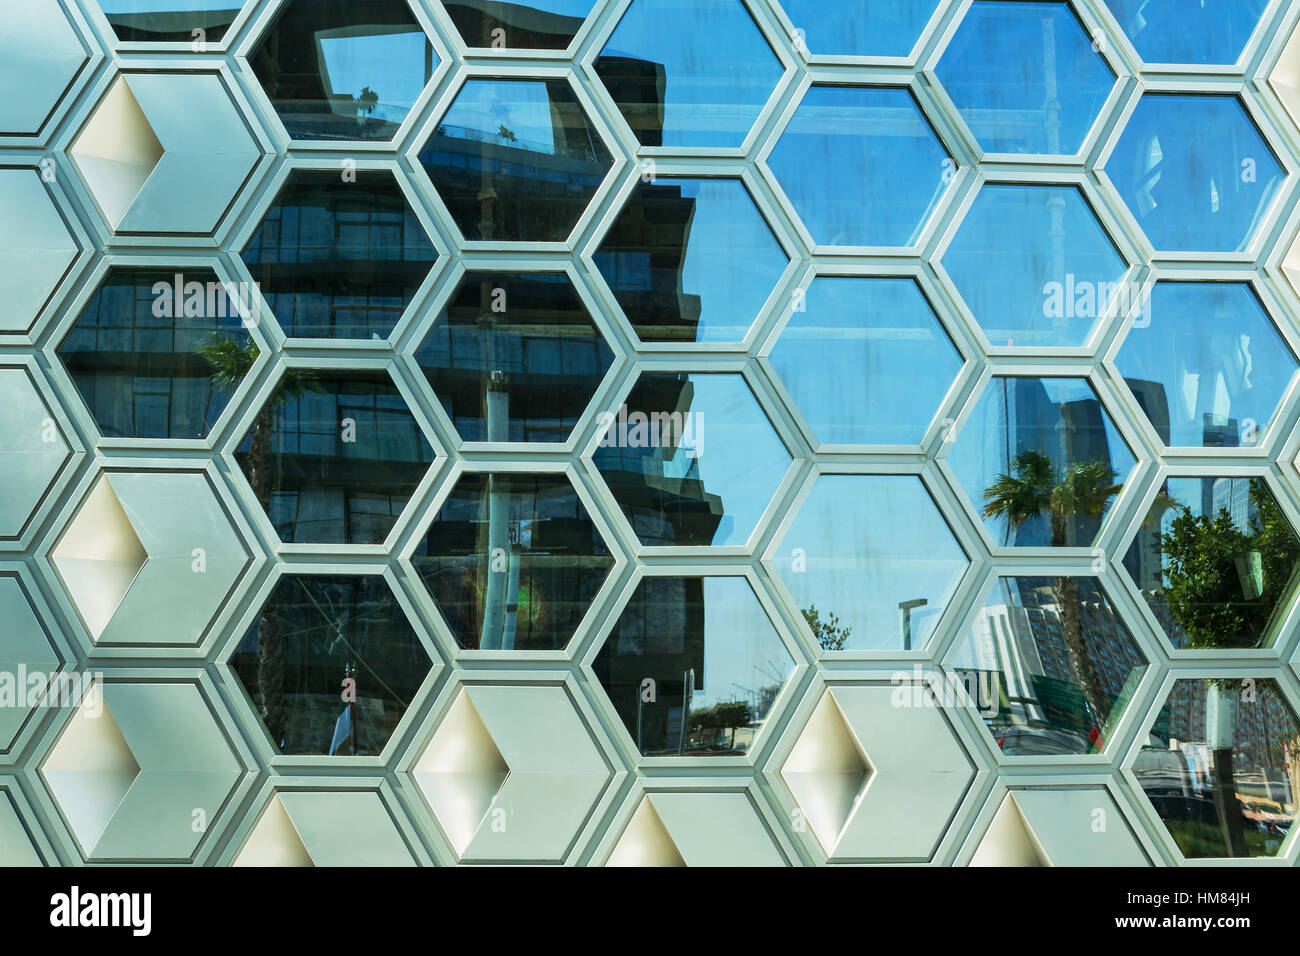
(524, 108)
(1014, 241)
(167, 6)
(851, 360)
(1211, 350)
(1188, 31)
(393, 65)
(859, 28)
(742, 651)
(862, 562)
(1008, 60)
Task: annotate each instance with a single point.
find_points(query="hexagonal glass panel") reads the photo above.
(530, 25)
(693, 666)
(689, 73)
(33, 450)
(1041, 461)
(1206, 364)
(691, 459)
(1025, 77)
(334, 455)
(1188, 31)
(339, 69)
(514, 357)
(516, 160)
(1194, 171)
(849, 360)
(861, 166)
(1035, 266)
(1050, 665)
(331, 664)
(1219, 767)
(44, 247)
(691, 260)
(871, 562)
(170, 21)
(1216, 561)
(849, 28)
(158, 353)
(339, 258)
(513, 561)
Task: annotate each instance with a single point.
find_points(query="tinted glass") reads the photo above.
(1188, 31)
(850, 27)
(158, 21)
(532, 25)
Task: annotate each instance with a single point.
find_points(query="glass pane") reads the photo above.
(514, 357)
(1206, 364)
(1034, 265)
(534, 25)
(1216, 561)
(337, 259)
(854, 28)
(1025, 77)
(688, 72)
(1050, 665)
(861, 166)
(693, 666)
(157, 354)
(318, 641)
(516, 160)
(1188, 31)
(339, 69)
(161, 21)
(513, 561)
(691, 459)
(871, 562)
(691, 260)
(849, 360)
(1194, 171)
(334, 456)
(1220, 767)
(1041, 461)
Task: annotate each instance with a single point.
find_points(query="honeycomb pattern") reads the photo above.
(394, 437)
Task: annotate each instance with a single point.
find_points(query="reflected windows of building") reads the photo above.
(170, 21)
(523, 25)
(1188, 31)
(854, 28)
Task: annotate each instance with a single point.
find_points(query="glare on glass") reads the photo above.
(530, 25)
(1206, 364)
(691, 260)
(693, 666)
(170, 21)
(1188, 31)
(850, 356)
(854, 28)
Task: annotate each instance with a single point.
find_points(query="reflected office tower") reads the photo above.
(1220, 433)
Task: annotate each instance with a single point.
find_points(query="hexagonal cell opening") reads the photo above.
(1210, 31)
(339, 257)
(848, 358)
(689, 73)
(1206, 364)
(870, 577)
(516, 160)
(117, 151)
(535, 25)
(1049, 664)
(334, 456)
(1041, 461)
(848, 28)
(170, 21)
(42, 51)
(342, 70)
(514, 357)
(676, 487)
(1216, 561)
(861, 166)
(693, 666)
(513, 561)
(331, 664)
(1219, 767)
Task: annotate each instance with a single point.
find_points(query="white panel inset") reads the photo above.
(827, 772)
(1009, 841)
(117, 151)
(645, 842)
(274, 841)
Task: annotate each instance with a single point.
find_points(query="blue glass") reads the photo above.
(1035, 266)
(1041, 461)
(713, 657)
(343, 69)
(861, 166)
(691, 459)
(688, 72)
(1188, 31)
(159, 21)
(337, 259)
(855, 28)
(871, 562)
(1206, 364)
(516, 160)
(530, 25)
(850, 360)
(691, 260)
(1194, 171)
(158, 354)
(1025, 77)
